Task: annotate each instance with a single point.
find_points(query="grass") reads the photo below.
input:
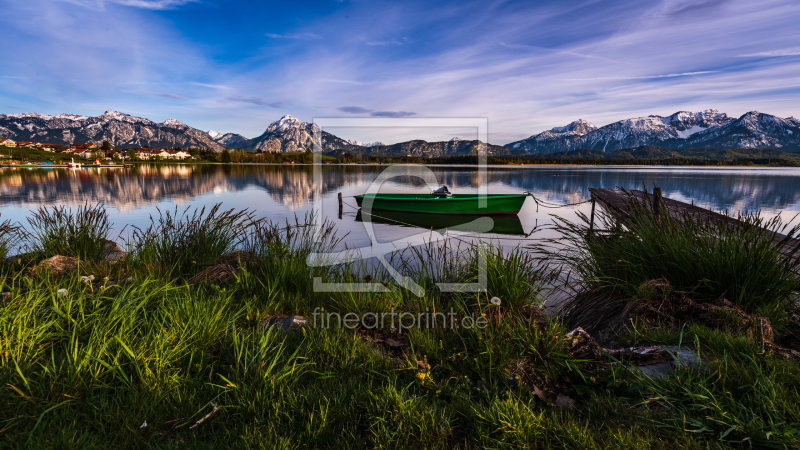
(182, 243)
(87, 365)
(708, 261)
(57, 230)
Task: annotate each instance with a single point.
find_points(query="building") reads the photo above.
(8, 142)
(178, 154)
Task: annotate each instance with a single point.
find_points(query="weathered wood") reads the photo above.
(656, 200)
(591, 221)
(619, 202)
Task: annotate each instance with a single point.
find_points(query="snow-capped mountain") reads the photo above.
(231, 140)
(558, 139)
(362, 144)
(121, 130)
(708, 128)
(289, 134)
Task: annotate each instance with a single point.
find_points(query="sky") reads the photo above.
(527, 66)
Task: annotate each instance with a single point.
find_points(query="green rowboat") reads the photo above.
(496, 204)
(508, 224)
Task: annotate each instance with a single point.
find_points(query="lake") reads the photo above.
(280, 192)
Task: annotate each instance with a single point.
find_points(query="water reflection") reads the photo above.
(505, 225)
(279, 191)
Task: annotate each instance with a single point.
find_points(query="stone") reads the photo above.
(58, 265)
(283, 322)
(113, 252)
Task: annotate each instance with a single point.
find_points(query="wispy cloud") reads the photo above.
(255, 101)
(393, 114)
(294, 36)
(385, 43)
(156, 94)
(775, 53)
(646, 77)
(354, 109)
(156, 5)
(328, 80)
(211, 86)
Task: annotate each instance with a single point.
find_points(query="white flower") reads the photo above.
(84, 279)
(61, 292)
(91, 277)
(495, 301)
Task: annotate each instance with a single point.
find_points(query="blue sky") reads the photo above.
(527, 66)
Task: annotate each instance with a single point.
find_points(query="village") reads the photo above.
(104, 151)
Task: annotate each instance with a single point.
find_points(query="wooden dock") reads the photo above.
(620, 203)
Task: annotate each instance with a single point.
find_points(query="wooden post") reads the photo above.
(591, 221)
(340, 205)
(657, 201)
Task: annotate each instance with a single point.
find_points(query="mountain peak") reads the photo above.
(579, 126)
(111, 114)
(174, 123)
(214, 134)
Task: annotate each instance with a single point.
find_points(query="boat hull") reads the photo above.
(463, 204)
(507, 224)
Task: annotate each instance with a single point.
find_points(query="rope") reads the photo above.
(551, 205)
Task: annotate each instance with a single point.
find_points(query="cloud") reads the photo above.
(294, 36)
(155, 5)
(774, 53)
(157, 94)
(393, 114)
(354, 109)
(342, 81)
(255, 101)
(384, 43)
(211, 86)
(669, 75)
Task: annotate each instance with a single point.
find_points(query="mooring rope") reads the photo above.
(551, 205)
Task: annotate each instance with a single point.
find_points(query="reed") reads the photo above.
(10, 237)
(182, 243)
(57, 230)
(151, 361)
(746, 263)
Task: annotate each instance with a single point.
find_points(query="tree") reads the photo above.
(226, 156)
(106, 146)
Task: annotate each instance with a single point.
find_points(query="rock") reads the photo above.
(214, 274)
(653, 361)
(283, 322)
(113, 252)
(684, 357)
(233, 258)
(58, 265)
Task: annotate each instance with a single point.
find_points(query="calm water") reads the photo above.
(281, 192)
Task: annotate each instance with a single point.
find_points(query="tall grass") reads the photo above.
(515, 276)
(57, 230)
(140, 363)
(10, 237)
(746, 262)
(183, 243)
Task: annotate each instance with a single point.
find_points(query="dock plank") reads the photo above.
(619, 202)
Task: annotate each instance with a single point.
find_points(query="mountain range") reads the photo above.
(121, 130)
(682, 130)
(708, 129)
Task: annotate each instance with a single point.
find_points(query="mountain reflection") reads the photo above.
(292, 186)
